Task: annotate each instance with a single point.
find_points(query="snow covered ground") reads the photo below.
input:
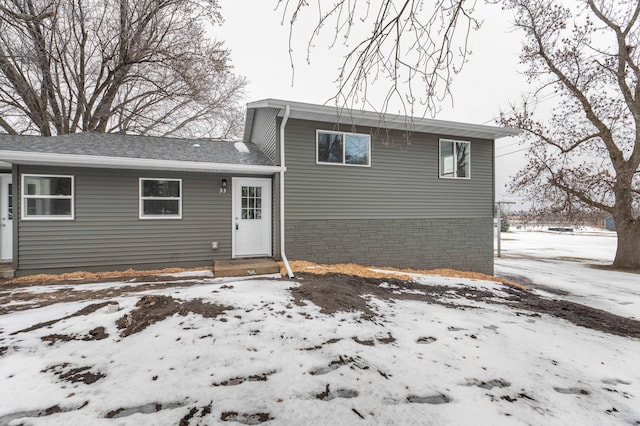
(262, 358)
(564, 261)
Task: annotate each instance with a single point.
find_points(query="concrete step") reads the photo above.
(245, 267)
(6, 270)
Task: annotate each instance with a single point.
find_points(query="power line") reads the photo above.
(521, 108)
(512, 152)
(508, 146)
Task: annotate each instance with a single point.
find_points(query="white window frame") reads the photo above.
(344, 147)
(455, 163)
(24, 197)
(141, 200)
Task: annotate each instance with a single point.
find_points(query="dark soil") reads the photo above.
(151, 309)
(345, 293)
(331, 292)
(75, 375)
(97, 333)
(582, 315)
(328, 395)
(152, 407)
(612, 268)
(238, 380)
(436, 399)
(38, 300)
(246, 419)
(204, 411)
(84, 311)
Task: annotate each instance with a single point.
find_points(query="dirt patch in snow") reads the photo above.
(346, 293)
(388, 272)
(239, 380)
(331, 291)
(245, 418)
(11, 294)
(193, 412)
(582, 315)
(80, 277)
(75, 374)
(612, 268)
(89, 309)
(151, 309)
(97, 333)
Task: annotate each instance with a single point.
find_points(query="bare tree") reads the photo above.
(130, 66)
(587, 155)
(413, 46)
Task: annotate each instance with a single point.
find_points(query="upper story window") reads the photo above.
(350, 149)
(455, 159)
(160, 198)
(47, 197)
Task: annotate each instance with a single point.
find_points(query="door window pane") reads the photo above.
(251, 203)
(10, 202)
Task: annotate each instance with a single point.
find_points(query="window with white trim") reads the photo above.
(47, 197)
(455, 159)
(160, 198)
(349, 149)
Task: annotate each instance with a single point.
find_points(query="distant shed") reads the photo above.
(609, 224)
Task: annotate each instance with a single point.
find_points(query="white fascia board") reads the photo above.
(94, 161)
(5, 165)
(331, 114)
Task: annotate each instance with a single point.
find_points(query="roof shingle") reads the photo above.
(143, 147)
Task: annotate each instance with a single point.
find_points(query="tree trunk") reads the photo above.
(628, 252)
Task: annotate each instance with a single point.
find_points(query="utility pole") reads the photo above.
(499, 205)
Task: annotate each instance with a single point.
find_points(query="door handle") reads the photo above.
(4, 221)
(237, 227)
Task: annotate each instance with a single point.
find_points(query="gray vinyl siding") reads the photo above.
(107, 233)
(402, 182)
(264, 131)
(397, 212)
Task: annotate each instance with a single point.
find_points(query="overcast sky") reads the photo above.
(488, 83)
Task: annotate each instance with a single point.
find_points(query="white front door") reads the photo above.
(251, 217)
(6, 218)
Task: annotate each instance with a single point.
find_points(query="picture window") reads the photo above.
(349, 149)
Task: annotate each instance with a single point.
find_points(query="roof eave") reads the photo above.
(93, 161)
(324, 113)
